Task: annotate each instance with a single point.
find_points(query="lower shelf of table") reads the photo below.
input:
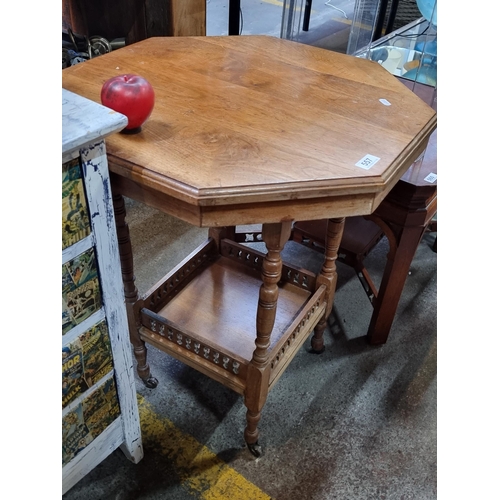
(210, 322)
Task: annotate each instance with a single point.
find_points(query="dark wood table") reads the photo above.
(250, 130)
(403, 217)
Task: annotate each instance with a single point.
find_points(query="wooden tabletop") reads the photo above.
(251, 129)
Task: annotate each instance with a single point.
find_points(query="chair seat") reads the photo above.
(359, 238)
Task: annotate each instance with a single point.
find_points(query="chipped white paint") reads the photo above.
(74, 404)
(85, 123)
(82, 327)
(77, 248)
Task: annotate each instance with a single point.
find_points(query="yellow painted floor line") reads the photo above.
(200, 470)
(274, 2)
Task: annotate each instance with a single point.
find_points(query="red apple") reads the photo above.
(130, 95)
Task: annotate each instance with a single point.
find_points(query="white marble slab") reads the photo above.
(84, 121)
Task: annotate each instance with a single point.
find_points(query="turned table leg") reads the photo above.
(131, 295)
(328, 277)
(257, 387)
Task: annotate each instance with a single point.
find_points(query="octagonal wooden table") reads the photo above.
(250, 130)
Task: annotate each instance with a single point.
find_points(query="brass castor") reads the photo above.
(255, 449)
(150, 382)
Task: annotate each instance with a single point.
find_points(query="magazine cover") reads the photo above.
(75, 434)
(75, 218)
(97, 357)
(73, 383)
(81, 292)
(89, 419)
(85, 361)
(101, 408)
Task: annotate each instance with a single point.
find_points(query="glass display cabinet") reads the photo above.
(291, 19)
(409, 52)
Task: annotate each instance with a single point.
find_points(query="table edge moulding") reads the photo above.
(100, 412)
(239, 333)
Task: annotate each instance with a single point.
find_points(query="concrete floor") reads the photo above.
(357, 422)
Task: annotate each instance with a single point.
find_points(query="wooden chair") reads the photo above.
(359, 238)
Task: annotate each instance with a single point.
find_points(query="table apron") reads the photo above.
(246, 213)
